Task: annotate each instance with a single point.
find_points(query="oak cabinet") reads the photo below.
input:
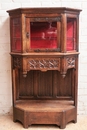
(44, 53)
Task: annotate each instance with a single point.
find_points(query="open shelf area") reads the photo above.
(44, 105)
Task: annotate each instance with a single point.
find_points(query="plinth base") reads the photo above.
(44, 112)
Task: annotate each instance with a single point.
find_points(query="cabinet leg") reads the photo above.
(14, 119)
(75, 121)
(63, 121)
(25, 126)
(63, 126)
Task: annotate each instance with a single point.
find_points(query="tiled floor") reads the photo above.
(6, 123)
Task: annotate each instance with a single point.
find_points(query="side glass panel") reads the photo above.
(16, 35)
(71, 34)
(43, 35)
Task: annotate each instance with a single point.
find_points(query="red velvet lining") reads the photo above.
(71, 34)
(43, 35)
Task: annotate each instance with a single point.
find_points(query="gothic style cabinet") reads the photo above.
(44, 53)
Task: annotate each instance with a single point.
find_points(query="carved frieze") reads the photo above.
(17, 62)
(44, 64)
(70, 61)
(46, 19)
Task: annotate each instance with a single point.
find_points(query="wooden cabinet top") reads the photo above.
(44, 10)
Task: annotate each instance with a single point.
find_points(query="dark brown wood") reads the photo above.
(44, 80)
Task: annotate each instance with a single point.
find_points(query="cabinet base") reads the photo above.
(46, 112)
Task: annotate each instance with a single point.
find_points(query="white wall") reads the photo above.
(5, 64)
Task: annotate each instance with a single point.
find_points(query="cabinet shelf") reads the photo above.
(44, 105)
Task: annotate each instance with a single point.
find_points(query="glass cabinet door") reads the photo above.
(71, 34)
(43, 35)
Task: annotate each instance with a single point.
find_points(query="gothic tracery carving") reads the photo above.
(44, 63)
(17, 62)
(70, 62)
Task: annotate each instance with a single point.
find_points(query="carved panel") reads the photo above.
(70, 62)
(46, 63)
(17, 62)
(46, 19)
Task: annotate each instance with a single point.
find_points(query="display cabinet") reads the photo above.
(44, 54)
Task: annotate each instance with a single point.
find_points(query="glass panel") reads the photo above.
(16, 46)
(16, 32)
(16, 35)
(43, 35)
(71, 34)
